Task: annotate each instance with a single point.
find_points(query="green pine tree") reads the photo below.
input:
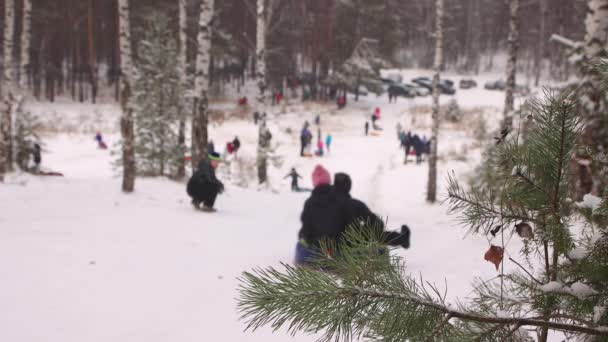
(157, 96)
(561, 283)
(27, 126)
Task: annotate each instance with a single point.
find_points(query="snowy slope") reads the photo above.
(80, 261)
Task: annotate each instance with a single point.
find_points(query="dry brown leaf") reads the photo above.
(494, 255)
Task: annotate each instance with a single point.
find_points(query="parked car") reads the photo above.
(402, 90)
(417, 90)
(467, 84)
(495, 85)
(445, 86)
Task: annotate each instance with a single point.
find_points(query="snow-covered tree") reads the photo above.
(593, 102)
(362, 68)
(157, 95)
(26, 41)
(431, 191)
(560, 285)
(26, 135)
(512, 60)
(260, 64)
(126, 97)
(8, 95)
(588, 54)
(182, 62)
(200, 116)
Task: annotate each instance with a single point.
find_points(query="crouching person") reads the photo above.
(203, 187)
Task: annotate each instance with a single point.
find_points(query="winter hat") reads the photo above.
(214, 156)
(320, 176)
(342, 182)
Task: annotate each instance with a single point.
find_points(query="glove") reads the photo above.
(405, 236)
(220, 187)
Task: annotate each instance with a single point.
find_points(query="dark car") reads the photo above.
(401, 90)
(445, 86)
(467, 84)
(495, 85)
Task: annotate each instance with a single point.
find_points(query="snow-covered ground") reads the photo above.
(80, 261)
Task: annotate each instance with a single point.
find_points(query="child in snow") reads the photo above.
(328, 140)
(203, 186)
(236, 145)
(294, 179)
(319, 151)
(100, 143)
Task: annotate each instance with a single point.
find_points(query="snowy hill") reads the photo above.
(80, 261)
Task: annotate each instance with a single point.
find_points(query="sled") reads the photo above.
(307, 155)
(49, 173)
(375, 133)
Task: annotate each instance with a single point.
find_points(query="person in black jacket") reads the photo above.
(418, 148)
(294, 179)
(37, 157)
(324, 214)
(360, 216)
(203, 186)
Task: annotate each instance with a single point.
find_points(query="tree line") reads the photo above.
(74, 44)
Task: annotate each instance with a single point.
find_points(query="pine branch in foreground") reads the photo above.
(360, 291)
(386, 305)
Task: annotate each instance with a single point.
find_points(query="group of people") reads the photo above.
(413, 144)
(331, 210)
(306, 140)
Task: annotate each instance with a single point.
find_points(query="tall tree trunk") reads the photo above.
(263, 143)
(431, 193)
(26, 40)
(539, 53)
(6, 122)
(512, 61)
(126, 101)
(200, 117)
(183, 83)
(92, 52)
(593, 101)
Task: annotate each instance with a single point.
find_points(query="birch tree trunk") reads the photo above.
(593, 101)
(431, 193)
(92, 52)
(6, 122)
(26, 39)
(511, 62)
(126, 101)
(200, 118)
(263, 136)
(539, 53)
(183, 83)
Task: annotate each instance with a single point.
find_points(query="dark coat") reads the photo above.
(360, 216)
(236, 143)
(203, 182)
(325, 215)
(417, 144)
